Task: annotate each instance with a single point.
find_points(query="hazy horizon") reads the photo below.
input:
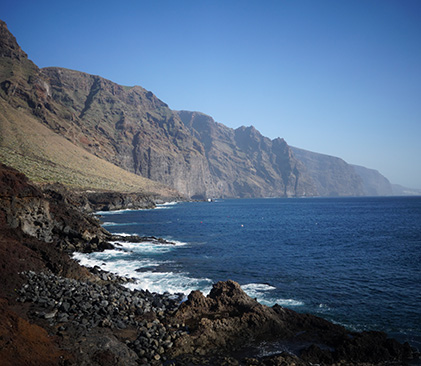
(337, 78)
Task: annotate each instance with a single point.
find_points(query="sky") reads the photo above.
(338, 77)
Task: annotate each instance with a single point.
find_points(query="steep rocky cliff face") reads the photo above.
(243, 163)
(133, 129)
(129, 127)
(43, 136)
(374, 184)
(332, 176)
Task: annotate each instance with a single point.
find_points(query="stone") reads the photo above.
(51, 314)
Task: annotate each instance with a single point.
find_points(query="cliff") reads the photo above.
(331, 175)
(243, 163)
(374, 183)
(128, 127)
(335, 177)
(38, 135)
(87, 132)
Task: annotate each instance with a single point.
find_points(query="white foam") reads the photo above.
(145, 271)
(289, 302)
(110, 223)
(172, 203)
(102, 213)
(123, 234)
(144, 247)
(165, 206)
(262, 292)
(170, 282)
(257, 287)
(114, 261)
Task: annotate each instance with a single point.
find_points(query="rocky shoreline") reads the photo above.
(55, 312)
(69, 305)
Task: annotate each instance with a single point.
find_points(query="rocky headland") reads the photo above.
(55, 312)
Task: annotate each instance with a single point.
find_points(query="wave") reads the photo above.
(289, 302)
(165, 206)
(145, 247)
(123, 234)
(129, 260)
(172, 203)
(171, 243)
(110, 223)
(171, 282)
(114, 261)
(104, 213)
(262, 292)
(257, 287)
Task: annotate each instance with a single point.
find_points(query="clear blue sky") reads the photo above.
(337, 77)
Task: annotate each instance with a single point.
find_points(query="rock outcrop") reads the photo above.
(91, 201)
(43, 134)
(229, 321)
(46, 217)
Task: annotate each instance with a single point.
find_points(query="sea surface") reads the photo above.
(354, 261)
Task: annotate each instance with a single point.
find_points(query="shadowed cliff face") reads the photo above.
(374, 183)
(48, 129)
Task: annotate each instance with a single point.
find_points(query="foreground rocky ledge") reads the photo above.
(55, 312)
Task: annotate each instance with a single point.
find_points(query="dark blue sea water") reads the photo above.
(355, 261)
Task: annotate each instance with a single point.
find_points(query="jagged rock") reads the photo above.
(229, 320)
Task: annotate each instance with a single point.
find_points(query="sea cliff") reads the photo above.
(55, 312)
(84, 131)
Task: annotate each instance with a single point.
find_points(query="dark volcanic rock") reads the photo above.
(91, 201)
(9, 47)
(23, 343)
(97, 312)
(47, 217)
(228, 320)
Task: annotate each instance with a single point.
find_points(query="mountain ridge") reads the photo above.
(133, 130)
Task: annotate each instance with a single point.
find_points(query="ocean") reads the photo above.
(353, 261)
